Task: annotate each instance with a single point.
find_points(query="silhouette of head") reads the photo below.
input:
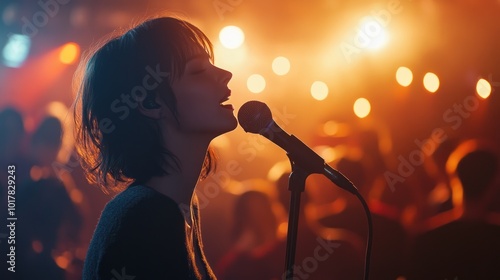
(476, 171)
(46, 140)
(12, 132)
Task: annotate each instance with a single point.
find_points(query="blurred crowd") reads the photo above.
(440, 222)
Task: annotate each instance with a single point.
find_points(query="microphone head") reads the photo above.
(254, 116)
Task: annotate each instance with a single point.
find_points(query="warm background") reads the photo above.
(353, 49)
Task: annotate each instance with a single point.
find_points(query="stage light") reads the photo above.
(231, 37)
(483, 88)
(362, 107)
(431, 82)
(256, 83)
(57, 109)
(69, 53)
(404, 76)
(330, 128)
(16, 50)
(319, 90)
(373, 33)
(281, 65)
(328, 153)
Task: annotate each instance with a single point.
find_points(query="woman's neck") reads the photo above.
(181, 182)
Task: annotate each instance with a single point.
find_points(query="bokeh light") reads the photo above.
(319, 90)
(231, 37)
(327, 153)
(281, 65)
(256, 83)
(69, 53)
(431, 82)
(483, 88)
(404, 76)
(330, 128)
(372, 35)
(362, 107)
(16, 50)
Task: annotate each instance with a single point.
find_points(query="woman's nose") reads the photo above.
(225, 76)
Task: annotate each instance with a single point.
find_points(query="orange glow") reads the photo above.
(464, 148)
(57, 109)
(76, 196)
(338, 205)
(319, 90)
(281, 65)
(63, 262)
(26, 88)
(231, 37)
(404, 76)
(431, 82)
(69, 53)
(333, 128)
(36, 173)
(439, 194)
(37, 246)
(256, 83)
(330, 128)
(277, 170)
(376, 33)
(483, 88)
(221, 142)
(362, 107)
(327, 153)
(282, 230)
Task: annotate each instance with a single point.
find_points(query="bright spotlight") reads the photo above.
(372, 35)
(281, 65)
(16, 50)
(256, 83)
(69, 53)
(404, 76)
(483, 88)
(362, 107)
(319, 90)
(431, 82)
(231, 37)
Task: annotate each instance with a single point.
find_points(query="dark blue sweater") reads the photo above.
(140, 235)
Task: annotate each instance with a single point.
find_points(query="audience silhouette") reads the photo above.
(468, 247)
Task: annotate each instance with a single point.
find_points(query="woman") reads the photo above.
(149, 103)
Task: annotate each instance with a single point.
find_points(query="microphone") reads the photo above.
(256, 117)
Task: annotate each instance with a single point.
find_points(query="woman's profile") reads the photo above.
(149, 103)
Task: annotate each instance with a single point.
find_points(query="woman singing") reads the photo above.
(149, 103)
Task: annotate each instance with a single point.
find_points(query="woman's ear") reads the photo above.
(151, 107)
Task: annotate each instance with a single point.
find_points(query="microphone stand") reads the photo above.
(296, 185)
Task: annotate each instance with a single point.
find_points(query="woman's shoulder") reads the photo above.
(138, 196)
(140, 204)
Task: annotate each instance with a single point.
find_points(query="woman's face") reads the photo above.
(199, 93)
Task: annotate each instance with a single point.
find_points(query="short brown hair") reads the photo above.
(115, 141)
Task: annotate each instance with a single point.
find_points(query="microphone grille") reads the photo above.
(254, 116)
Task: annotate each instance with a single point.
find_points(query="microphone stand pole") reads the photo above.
(296, 185)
